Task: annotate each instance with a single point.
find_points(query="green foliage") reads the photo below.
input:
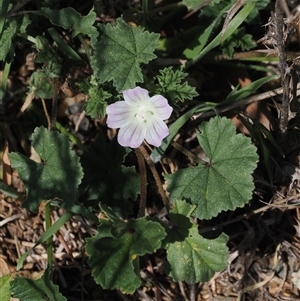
(254, 15)
(120, 51)
(48, 234)
(96, 104)
(68, 18)
(191, 257)
(237, 94)
(56, 176)
(9, 191)
(41, 85)
(115, 259)
(238, 40)
(38, 290)
(11, 29)
(172, 85)
(107, 180)
(198, 48)
(4, 4)
(224, 182)
(52, 64)
(5, 287)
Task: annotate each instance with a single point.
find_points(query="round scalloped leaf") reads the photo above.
(225, 181)
(57, 176)
(38, 290)
(191, 257)
(195, 258)
(115, 261)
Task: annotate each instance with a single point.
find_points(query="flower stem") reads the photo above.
(143, 176)
(155, 176)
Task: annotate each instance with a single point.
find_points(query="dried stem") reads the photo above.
(285, 77)
(155, 175)
(143, 176)
(46, 113)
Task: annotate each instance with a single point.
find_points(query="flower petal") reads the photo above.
(132, 135)
(136, 96)
(156, 132)
(162, 108)
(119, 114)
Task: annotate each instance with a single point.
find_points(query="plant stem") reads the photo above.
(46, 114)
(55, 84)
(85, 46)
(155, 176)
(145, 11)
(143, 176)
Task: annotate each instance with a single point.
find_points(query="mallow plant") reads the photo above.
(148, 106)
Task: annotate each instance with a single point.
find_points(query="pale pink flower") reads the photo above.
(139, 117)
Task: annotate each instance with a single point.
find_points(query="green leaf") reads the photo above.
(4, 4)
(50, 232)
(239, 39)
(225, 182)
(57, 176)
(183, 208)
(13, 26)
(191, 257)
(97, 102)
(7, 37)
(259, 5)
(119, 53)
(107, 180)
(41, 85)
(5, 287)
(196, 259)
(68, 18)
(114, 261)
(9, 191)
(172, 84)
(68, 51)
(200, 51)
(246, 91)
(38, 290)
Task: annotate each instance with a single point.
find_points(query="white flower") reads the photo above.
(139, 117)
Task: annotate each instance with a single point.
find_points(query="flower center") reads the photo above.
(143, 113)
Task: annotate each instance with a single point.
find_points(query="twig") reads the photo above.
(143, 176)
(46, 114)
(187, 152)
(230, 13)
(283, 66)
(10, 219)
